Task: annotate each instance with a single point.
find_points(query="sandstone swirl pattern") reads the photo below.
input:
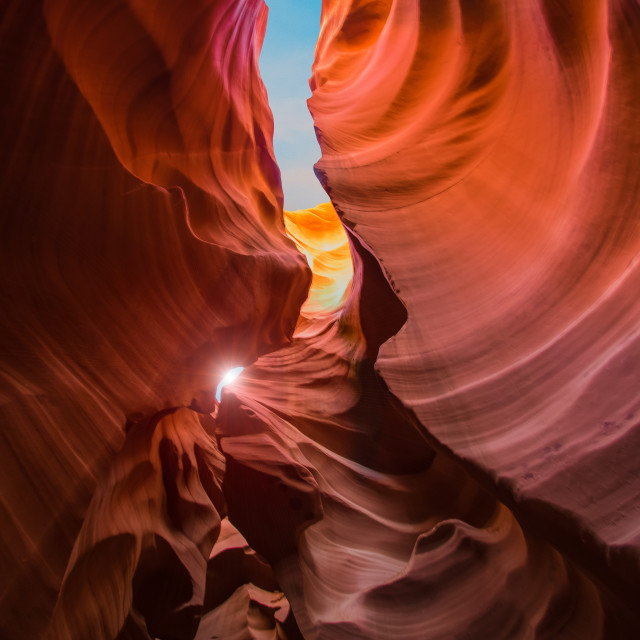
(439, 442)
(143, 250)
(487, 152)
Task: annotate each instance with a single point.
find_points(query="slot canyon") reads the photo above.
(435, 429)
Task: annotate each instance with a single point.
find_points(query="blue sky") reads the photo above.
(285, 66)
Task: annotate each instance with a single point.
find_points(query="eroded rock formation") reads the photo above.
(516, 238)
(436, 432)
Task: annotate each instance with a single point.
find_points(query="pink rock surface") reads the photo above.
(441, 443)
(487, 153)
(114, 307)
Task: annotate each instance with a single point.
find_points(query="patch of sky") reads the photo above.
(285, 67)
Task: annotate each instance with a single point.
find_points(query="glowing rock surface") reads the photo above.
(321, 237)
(436, 432)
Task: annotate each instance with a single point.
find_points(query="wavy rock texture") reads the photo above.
(373, 528)
(487, 153)
(118, 301)
(441, 442)
(147, 536)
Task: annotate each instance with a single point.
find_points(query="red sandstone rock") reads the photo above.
(487, 153)
(113, 307)
(483, 158)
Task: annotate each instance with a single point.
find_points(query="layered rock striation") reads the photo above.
(436, 431)
(499, 142)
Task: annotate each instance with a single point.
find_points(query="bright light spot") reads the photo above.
(228, 378)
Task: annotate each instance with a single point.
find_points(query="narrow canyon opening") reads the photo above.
(285, 68)
(411, 412)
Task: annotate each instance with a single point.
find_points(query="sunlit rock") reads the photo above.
(320, 236)
(486, 153)
(435, 432)
(136, 270)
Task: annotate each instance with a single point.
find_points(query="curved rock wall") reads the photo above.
(486, 152)
(441, 442)
(122, 296)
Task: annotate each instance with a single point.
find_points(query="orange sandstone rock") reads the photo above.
(439, 441)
